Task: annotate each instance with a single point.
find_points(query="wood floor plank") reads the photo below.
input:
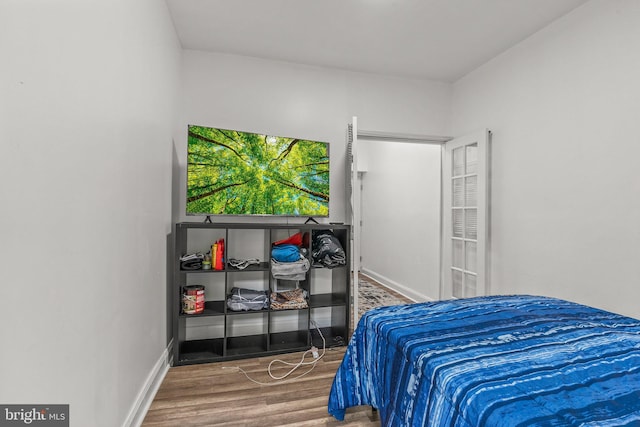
(217, 394)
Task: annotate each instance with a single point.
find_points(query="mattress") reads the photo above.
(493, 361)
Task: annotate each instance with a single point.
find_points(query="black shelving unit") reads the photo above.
(219, 333)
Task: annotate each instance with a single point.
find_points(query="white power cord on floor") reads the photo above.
(279, 379)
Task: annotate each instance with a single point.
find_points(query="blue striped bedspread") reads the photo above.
(493, 361)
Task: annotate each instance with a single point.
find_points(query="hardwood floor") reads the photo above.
(215, 394)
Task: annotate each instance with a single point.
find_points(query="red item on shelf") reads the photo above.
(296, 239)
(219, 254)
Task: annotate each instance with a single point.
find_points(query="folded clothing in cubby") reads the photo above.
(295, 270)
(242, 299)
(288, 300)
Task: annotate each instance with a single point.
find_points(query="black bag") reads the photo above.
(327, 250)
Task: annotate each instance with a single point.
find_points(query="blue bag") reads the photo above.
(285, 253)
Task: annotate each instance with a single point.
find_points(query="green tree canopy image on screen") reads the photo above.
(240, 173)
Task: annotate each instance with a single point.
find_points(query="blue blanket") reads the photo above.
(493, 361)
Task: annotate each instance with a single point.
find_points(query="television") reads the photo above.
(231, 172)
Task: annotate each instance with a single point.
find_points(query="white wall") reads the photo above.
(400, 243)
(563, 107)
(87, 104)
(286, 99)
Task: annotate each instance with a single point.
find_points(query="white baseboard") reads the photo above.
(149, 389)
(395, 286)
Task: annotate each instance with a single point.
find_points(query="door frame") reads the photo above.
(355, 198)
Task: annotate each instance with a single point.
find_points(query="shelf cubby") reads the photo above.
(201, 350)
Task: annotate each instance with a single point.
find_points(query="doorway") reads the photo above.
(400, 216)
(393, 224)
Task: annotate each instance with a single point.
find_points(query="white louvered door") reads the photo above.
(465, 216)
(356, 204)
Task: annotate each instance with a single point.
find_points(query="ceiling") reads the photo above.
(426, 39)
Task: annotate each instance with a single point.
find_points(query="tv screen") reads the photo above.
(230, 172)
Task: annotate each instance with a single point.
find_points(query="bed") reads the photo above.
(492, 361)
